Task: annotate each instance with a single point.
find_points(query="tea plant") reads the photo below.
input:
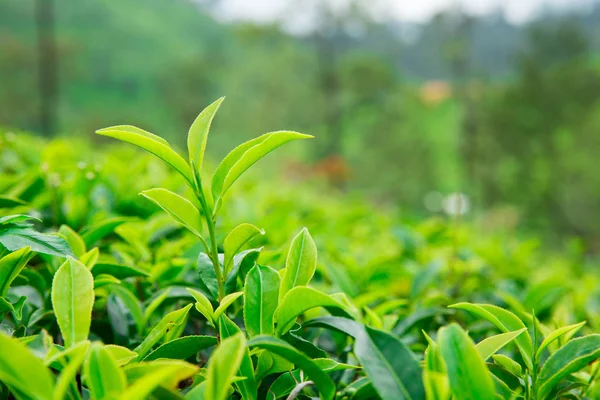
(101, 298)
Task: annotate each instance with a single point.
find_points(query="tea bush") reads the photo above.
(252, 289)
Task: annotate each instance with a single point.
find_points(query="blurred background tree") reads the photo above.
(406, 113)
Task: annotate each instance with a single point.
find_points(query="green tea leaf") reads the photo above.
(261, 296)
(203, 305)
(392, 368)
(223, 366)
(72, 301)
(322, 381)
(21, 370)
(167, 323)
(198, 134)
(506, 322)
(297, 301)
(93, 233)
(69, 372)
(467, 372)
(507, 363)
(300, 264)
(121, 355)
(556, 334)
(15, 237)
(11, 202)
(247, 386)
(242, 157)
(75, 241)
(147, 377)
(119, 271)
(182, 348)
(225, 303)
(132, 304)
(151, 143)
(11, 265)
(489, 346)
(570, 358)
(236, 239)
(104, 377)
(178, 208)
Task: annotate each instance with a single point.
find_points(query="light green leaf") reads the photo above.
(322, 381)
(198, 134)
(506, 322)
(154, 304)
(570, 358)
(300, 264)
(203, 305)
(69, 373)
(508, 364)
(489, 346)
(261, 296)
(90, 258)
(178, 208)
(297, 301)
(182, 348)
(147, 377)
(225, 303)
(11, 265)
(105, 379)
(556, 334)
(223, 366)
(122, 355)
(151, 143)
(72, 300)
(242, 157)
(469, 377)
(21, 370)
(73, 239)
(168, 322)
(247, 386)
(236, 239)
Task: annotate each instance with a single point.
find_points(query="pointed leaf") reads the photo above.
(297, 301)
(556, 334)
(261, 296)
(198, 134)
(178, 208)
(489, 346)
(300, 264)
(570, 358)
(20, 369)
(322, 381)
(72, 301)
(392, 368)
(11, 265)
(225, 303)
(223, 366)
(468, 374)
(506, 322)
(182, 348)
(151, 143)
(236, 239)
(247, 386)
(105, 379)
(203, 305)
(17, 237)
(167, 323)
(242, 157)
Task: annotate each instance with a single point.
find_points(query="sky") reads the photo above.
(405, 10)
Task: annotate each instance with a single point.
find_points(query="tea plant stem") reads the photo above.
(298, 389)
(212, 250)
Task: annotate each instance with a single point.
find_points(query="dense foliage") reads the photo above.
(223, 294)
